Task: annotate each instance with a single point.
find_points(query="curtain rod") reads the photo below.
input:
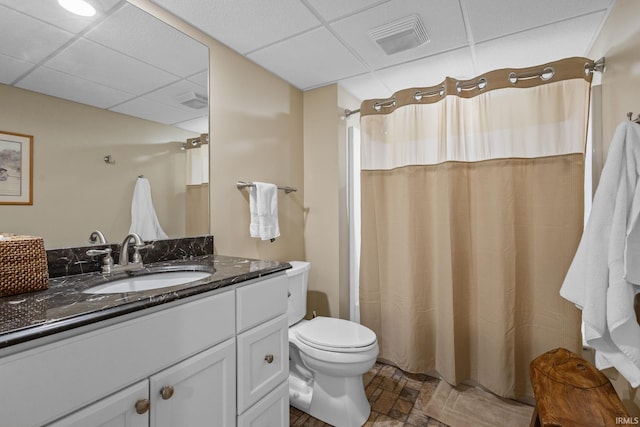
(598, 66)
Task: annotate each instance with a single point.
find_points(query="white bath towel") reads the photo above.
(604, 276)
(263, 206)
(143, 216)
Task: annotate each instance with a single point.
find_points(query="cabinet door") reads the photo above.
(200, 391)
(126, 408)
(263, 360)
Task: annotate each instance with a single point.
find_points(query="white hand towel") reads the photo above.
(603, 277)
(263, 206)
(143, 216)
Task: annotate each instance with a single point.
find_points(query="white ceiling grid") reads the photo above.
(123, 59)
(308, 43)
(296, 38)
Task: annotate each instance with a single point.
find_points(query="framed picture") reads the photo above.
(16, 169)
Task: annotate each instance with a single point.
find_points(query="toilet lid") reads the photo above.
(329, 332)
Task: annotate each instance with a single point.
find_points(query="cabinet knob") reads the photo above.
(166, 392)
(269, 358)
(142, 406)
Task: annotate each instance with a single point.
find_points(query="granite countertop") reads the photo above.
(64, 306)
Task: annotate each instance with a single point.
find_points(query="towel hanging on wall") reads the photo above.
(604, 276)
(143, 216)
(263, 206)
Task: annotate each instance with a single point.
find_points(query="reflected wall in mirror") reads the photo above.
(121, 83)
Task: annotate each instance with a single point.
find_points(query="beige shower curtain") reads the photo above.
(472, 209)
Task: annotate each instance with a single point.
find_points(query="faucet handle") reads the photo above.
(137, 258)
(107, 261)
(94, 252)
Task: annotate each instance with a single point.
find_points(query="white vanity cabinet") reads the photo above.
(198, 391)
(263, 353)
(216, 359)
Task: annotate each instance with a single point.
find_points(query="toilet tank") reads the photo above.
(298, 278)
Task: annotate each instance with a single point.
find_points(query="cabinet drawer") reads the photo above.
(273, 410)
(261, 301)
(263, 361)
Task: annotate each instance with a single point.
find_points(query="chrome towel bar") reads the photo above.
(245, 184)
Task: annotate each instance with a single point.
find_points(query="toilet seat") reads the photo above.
(336, 335)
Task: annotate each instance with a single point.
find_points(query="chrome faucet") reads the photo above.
(109, 267)
(97, 238)
(136, 262)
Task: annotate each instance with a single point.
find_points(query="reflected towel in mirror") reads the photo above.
(143, 216)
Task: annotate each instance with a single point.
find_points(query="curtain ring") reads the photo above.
(547, 73)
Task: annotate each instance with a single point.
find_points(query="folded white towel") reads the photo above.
(604, 277)
(143, 216)
(263, 206)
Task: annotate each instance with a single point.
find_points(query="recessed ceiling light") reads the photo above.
(79, 7)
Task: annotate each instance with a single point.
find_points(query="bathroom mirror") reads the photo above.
(107, 98)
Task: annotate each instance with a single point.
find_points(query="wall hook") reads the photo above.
(109, 160)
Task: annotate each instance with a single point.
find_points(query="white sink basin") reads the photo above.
(147, 282)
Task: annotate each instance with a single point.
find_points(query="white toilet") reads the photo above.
(328, 357)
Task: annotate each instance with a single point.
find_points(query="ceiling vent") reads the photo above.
(400, 35)
(193, 100)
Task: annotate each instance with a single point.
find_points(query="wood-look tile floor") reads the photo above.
(397, 399)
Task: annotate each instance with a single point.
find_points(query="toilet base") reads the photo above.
(339, 401)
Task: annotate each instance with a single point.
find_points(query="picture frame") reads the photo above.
(16, 168)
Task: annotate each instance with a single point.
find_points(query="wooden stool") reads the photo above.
(571, 392)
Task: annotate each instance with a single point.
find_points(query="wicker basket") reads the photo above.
(23, 264)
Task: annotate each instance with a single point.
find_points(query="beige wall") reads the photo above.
(326, 233)
(74, 190)
(322, 197)
(255, 135)
(619, 43)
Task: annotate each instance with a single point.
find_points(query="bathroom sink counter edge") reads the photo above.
(64, 306)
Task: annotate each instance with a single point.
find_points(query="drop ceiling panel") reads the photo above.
(245, 25)
(201, 79)
(333, 9)
(30, 39)
(319, 58)
(51, 12)
(365, 86)
(61, 85)
(429, 71)
(137, 34)
(169, 95)
(445, 28)
(545, 44)
(109, 68)
(491, 19)
(152, 110)
(199, 125)
(12, 68)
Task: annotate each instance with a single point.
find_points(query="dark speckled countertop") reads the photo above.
(64, 306)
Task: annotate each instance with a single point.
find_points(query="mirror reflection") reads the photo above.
(107, 98)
